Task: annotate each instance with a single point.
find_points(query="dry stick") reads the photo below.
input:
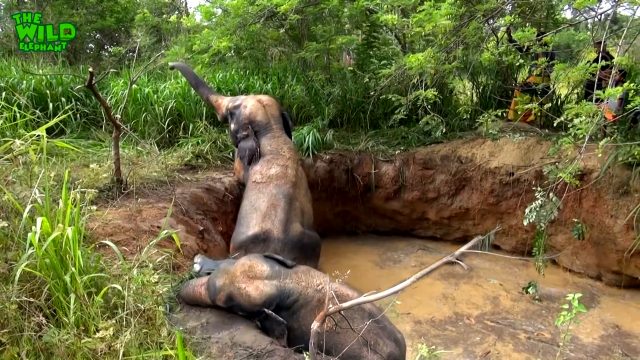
(371, 297)
(117, 130)
(619, 47)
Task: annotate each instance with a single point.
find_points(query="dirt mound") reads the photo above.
(202, 213)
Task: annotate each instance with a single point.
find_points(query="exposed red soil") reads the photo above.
(457, 190)
(450, 191)
(203, 214)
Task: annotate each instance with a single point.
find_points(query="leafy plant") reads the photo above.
(309, 140)
(425, 352)
(531, 288)
(578, 230)
(541, 212)
(567, 318)
(489, 123)
(568, 172)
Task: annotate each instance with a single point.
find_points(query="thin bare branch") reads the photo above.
(117, 129)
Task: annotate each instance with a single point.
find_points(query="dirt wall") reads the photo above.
(460, 189)
(451, 191)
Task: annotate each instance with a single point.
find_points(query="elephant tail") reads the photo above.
(194, 292)
(201, 88)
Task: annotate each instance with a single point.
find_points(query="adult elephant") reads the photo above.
(276, 214)
(284, 299)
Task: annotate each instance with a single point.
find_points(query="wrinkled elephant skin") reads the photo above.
(284, 298)
(276, 213)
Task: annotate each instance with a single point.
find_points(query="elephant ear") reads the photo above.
(289, 264)
(274, 326)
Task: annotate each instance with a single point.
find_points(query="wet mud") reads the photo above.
(482, 313)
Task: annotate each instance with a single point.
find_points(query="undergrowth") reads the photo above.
(62, 294)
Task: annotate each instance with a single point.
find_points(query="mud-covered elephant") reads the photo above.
(284, 299)
(276, 214)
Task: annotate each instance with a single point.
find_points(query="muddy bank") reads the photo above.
(457, 190)
(202, 209)
(450, 192)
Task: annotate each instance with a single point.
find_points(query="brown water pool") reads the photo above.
(482, 313)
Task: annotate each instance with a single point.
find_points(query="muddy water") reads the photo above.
(482, 313)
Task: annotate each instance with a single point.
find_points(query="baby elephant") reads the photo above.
(284, 299)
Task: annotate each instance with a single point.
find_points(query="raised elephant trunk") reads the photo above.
(194, 292)
(206, 93)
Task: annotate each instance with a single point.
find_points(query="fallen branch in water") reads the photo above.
(319, 321)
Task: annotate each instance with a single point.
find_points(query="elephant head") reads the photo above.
(261, 112)
(284, 298)
(250, 118)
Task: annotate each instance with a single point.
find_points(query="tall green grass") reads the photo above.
(161, 107)
(60, 296)
(55, 258)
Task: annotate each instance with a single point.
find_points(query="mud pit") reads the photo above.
(481, 313)
(449, 192)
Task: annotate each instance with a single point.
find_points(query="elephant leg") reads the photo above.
(311, 246)
(305, 248)
(195, 292)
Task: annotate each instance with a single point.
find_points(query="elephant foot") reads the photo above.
(204, 266)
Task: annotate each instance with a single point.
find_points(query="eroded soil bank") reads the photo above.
(448, 192)
(451, 192)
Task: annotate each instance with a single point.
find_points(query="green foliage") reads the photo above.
(489, 123)
(55, 255)
(309, 140)
(539, 250)
(567, 318)
(579, 230)
(531, 289)
(542, 211)
(56, 285)
(444, 67)
(425, 352)
(567, 173)
(161, 108)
